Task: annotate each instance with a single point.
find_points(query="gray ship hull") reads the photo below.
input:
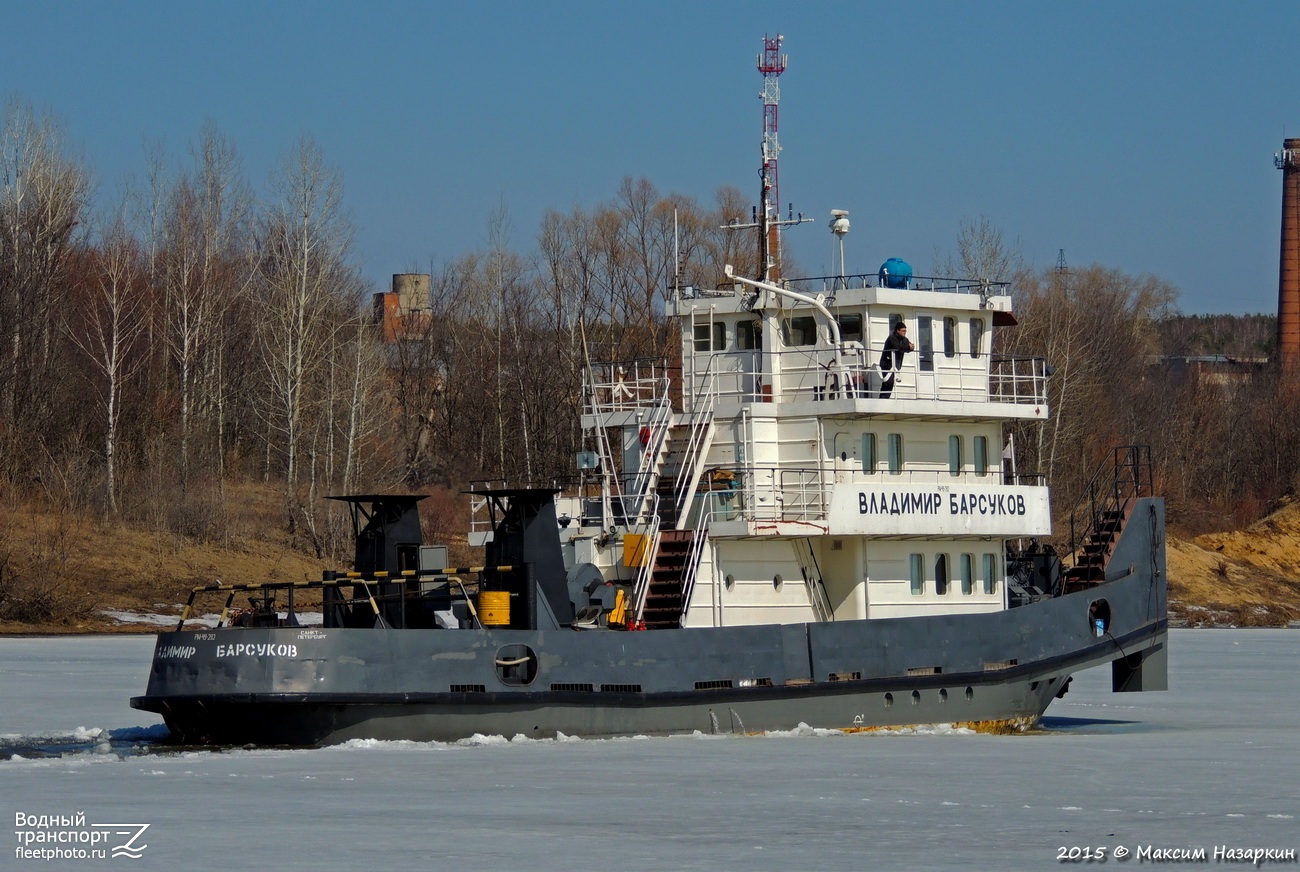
(319, 686)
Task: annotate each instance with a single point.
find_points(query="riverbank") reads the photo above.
(112, 577)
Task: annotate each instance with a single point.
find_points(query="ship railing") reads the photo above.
(378, 589)
(819, 374)
(693, 558)
(938, 474)
(828, 285)
(625, 385)
(646, 566)
(767, 493)
(1124, 476)
(654, 446)
(1018, 380)
(700, 423)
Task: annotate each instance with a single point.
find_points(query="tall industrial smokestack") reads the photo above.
(1288, 283)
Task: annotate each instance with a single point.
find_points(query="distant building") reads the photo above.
(405, 311)
(1223, 370)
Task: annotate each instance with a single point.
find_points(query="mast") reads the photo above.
(767, 218)
(771, 63)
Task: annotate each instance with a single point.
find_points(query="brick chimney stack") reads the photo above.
(1288, 287)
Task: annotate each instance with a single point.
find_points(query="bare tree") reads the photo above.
(306, 288)
(203, 274)
(43, 196)
(113, 316)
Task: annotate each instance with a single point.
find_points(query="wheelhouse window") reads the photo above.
(917, 567)
(967, 574)
(954, 455)
(949, 337)
(990, 579)
(981, 455)
(749, 335)
(868, 452)
(941, 574)
(976, 336)
(925, 342)
(711, 337)
(895, 448)
(850, 327)
(799, 331)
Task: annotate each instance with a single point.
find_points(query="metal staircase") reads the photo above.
(1098, 522)
(666, 593)
(812, 578)
(656, 446)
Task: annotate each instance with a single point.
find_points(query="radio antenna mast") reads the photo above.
(767, 220)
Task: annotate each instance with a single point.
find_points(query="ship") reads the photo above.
(785, 525)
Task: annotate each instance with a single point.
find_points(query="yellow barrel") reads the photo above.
(494, 608)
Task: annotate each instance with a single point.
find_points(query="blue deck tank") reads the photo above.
(895, 273)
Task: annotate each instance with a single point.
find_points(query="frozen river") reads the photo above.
(1213, 762)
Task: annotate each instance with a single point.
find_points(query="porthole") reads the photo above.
(916, 697)
(777, 582)
(943, 695)
(889, 700)
(730, 581)
(970, 694)
(1099, 617)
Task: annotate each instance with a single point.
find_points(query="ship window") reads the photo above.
(711, 337)
(925, 342)
(799, 331)
(941, 574)
(981, 455)
(850, 327)
(894, 320)
(967, 573)
(895, 453)
(990, 566)
(949, 337)
(917, 564)
(954, 455)
(868, 452)
(976, 336)
(749, 335)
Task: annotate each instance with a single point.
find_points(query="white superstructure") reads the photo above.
(802, 493)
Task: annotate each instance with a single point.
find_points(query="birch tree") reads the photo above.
(203, 275)
(43, 195)
(304, 284)
(112, 318)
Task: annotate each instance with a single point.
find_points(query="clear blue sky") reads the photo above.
(1138, 135)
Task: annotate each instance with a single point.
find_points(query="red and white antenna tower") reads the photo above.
(771, 63)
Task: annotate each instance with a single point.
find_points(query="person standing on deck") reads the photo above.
(891, 359)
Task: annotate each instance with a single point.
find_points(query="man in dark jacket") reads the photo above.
(891, 359)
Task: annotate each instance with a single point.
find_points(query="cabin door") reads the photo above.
(748, 359)
(846, 448)
(925, 378)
